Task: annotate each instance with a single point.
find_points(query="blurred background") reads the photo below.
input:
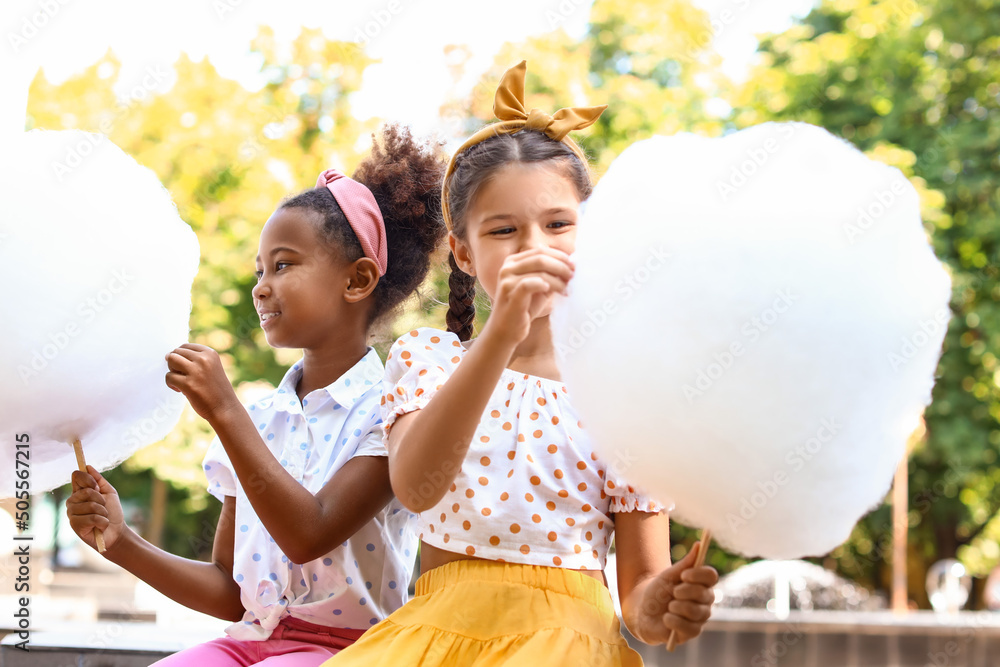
(236, 104)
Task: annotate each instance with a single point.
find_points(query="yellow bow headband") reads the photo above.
(508, 107)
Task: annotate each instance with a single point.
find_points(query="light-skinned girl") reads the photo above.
(311, 549)
(515, 509)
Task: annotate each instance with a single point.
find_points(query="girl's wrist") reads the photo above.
(227, 414)
(116, 553)
(493, 338)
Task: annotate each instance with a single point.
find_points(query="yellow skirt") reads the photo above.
(486, 613)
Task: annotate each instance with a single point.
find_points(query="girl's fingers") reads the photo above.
(691, 611)
(90, 509)
(701, 576)
(103, 485)
(85, 495)
(685, 628)
(194, 347)
(693, 593)
(184, 353)
(175, 380)
(521, 293)
(82, 480)
(546, 255)
(535, 282)
(178, 363)
(538, 264)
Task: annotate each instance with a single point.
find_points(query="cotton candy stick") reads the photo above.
(82, 465)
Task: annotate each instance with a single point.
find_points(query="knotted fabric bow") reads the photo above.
(362, 212)
(508, 107)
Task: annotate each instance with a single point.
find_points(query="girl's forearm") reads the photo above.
(290, 512)
(205, 587)
(426, 456)
(304, 525)
(631, 603)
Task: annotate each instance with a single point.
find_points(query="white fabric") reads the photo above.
(358, 583)
(531, 489)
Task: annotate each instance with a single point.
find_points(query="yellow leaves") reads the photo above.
(834, 47)
(806, 58)
(932, 202)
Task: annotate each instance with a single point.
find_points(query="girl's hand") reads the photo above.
(678, 599)
(196, 371)
(525, 286)
(94, 504)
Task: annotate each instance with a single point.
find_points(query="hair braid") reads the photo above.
(461, 301)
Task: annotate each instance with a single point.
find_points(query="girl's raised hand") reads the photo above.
(525, 286)
(678, 599)
(94, 504)
(196, 371)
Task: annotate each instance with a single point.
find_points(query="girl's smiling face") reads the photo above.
(524, 206)
(300, 281)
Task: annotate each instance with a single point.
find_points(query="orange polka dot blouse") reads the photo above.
(531, 489)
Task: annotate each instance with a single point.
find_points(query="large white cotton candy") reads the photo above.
(98, 267)
(753, 330)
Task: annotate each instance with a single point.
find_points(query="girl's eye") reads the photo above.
(279, 265)
(560, 223)
(259, 274)
(501, 231)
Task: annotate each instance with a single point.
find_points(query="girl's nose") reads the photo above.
(533, 237)
(260, 290)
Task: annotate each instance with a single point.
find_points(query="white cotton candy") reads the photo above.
(97, 267)
(753, 331)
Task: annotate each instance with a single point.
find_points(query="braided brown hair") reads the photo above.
(461, 301)
(473, 169)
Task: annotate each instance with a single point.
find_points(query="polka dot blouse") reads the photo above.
(531, 490)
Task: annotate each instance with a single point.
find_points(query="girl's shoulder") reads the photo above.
(423, 349)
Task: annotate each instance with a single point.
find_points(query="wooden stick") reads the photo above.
(705, 540)
(81, 463)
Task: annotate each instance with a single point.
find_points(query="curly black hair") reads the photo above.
(404, 175)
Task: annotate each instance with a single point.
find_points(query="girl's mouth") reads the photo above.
(266, 318)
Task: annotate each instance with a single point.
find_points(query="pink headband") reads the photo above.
(361, 209)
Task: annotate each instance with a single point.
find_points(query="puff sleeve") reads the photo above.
(627, 498)
(372, 445)
(219, 471)
(415, 369)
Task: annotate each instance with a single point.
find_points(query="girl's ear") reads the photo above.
(462, 253)
(362, 279)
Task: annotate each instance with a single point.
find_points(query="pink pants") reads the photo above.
(293, 643)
